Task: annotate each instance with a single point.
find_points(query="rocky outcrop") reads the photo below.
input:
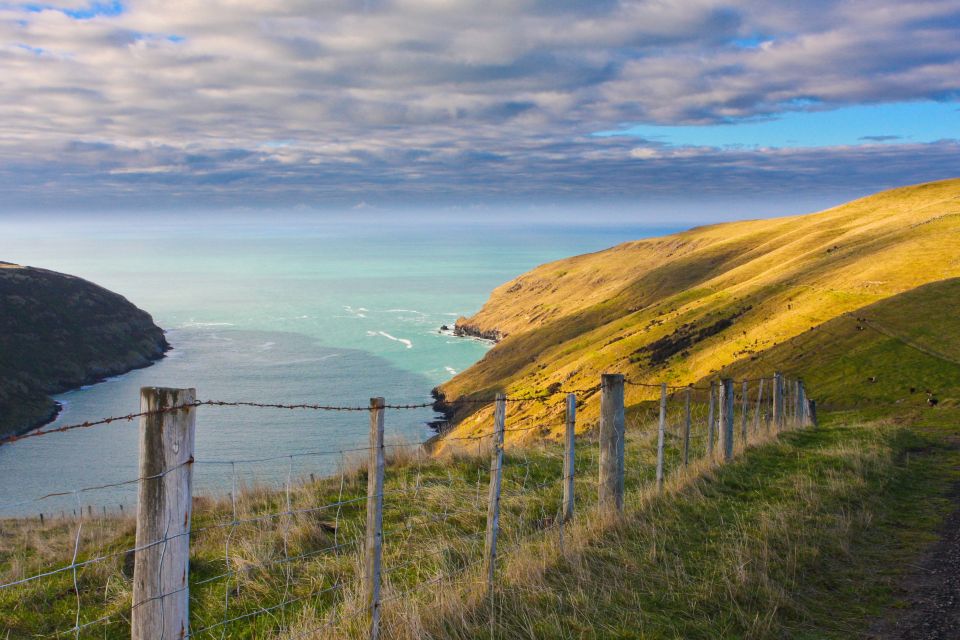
(466, 330)
(59, 332)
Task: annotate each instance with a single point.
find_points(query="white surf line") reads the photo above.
(404, 341)
(191, 324)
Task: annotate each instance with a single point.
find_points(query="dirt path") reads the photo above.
(932, 591)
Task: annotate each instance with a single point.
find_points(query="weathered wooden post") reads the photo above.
(686, 428)
(569, 457)
(802, 402)
(745, 411)
(612, 426)
(813, 414)
(496, 474)
(726, 422)
(756, 417)
(711, 422)
(661, 434)
(161, 566)
(374, 532)
(778, 401)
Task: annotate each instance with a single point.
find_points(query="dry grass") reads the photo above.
(721, 552)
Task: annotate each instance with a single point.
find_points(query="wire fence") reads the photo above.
(396, 525)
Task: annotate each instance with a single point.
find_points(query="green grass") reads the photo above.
(800, 537)
(803, 538)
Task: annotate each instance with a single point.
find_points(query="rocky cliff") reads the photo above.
(58, 332)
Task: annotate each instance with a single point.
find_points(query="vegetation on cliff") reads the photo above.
(58, 332)
(681, 308)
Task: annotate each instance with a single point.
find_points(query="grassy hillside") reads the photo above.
(682, 307)
(901, 353)
(805, 535)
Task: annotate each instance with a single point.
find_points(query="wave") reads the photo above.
(404, 341)
(193, 324)
(357, 313)
(405, 311)
(451, 371)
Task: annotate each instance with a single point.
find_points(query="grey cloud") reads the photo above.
(301, 100)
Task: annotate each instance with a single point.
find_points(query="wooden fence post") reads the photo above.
(661, 434)
(778, 401)
(374, 532)
(711, 422)
(686, 429)
(756, 417)
(745, 411)
(612, 426)
(813, 414)
(493, 503)
(569, 457)
(726, 423)
(802, 398)
(161, 567)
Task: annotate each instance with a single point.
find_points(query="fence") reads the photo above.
(315, 556)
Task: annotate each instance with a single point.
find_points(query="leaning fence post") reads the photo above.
(711, 422)
(745, 411)
(493, 504)
(161, 600)
(661, 434)
(726, 423)
(374, 533)
(568, 457)
(686, 429)
(778, 401)
(612, 425)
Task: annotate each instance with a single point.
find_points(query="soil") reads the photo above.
(931, 592)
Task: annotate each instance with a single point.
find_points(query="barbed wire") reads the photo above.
(524, 483)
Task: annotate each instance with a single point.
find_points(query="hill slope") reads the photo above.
(681, 307)
(902, 352)
(58, 332)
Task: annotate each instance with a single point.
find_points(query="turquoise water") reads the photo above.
(289, 310)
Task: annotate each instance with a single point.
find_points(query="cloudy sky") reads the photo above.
(440, 103)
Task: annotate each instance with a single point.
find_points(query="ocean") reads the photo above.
(295, 308)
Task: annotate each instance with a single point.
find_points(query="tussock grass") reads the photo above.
(801, 536)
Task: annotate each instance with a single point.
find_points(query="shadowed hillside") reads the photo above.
(682, 307)
(902, 352)
(58, 332)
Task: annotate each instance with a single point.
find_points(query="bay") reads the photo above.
(283, 308)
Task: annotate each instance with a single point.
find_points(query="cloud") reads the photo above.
(880, 138)
(408, 99)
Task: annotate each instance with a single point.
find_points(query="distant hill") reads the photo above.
(58, 332)
(683, 307)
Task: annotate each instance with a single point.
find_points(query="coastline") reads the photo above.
(54, 412)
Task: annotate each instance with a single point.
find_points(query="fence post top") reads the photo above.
(161, 391)
(611, 378)
(377, 403)
(166, 397)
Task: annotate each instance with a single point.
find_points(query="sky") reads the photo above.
(469, 105)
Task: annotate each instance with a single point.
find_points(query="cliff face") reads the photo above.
(59, 332)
